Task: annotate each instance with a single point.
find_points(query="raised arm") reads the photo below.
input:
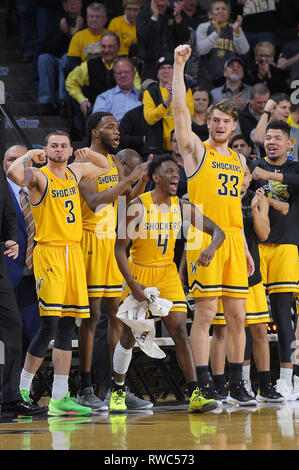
(94, 198)
(24, 174)
(191, 147)
(89, 164)
(260, 214)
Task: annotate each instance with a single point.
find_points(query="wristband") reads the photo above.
(268, 113)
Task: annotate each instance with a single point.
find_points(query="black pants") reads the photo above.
(11, 338)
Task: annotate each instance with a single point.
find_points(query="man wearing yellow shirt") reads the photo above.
(158, 109)
(125, 25)
(86, 42)
(95, 75)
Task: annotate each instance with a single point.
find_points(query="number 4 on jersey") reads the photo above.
(163, 244)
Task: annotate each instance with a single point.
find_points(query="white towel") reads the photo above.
(133, 314)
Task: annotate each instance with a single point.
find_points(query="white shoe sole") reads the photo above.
(234, 401)
(261, 399)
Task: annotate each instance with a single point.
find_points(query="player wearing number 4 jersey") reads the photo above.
(215, 174)
(57, 258)
(153, 222)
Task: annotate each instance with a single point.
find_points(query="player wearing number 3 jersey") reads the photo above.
(57, 258)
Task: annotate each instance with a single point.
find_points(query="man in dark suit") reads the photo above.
(12, 403)
(21, 277)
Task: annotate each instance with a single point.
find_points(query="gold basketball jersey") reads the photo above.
(57, 216)
(216, 187)
(104, 220)
(154, 241)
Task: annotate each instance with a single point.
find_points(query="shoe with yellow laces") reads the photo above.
(199, 404)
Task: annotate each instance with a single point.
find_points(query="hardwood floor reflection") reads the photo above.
(169, 427)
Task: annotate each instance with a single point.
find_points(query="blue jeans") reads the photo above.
(49, 68)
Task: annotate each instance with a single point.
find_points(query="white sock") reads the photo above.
(60, 386)
(287, 375)
(246, 373)
(26, 379)
(121, 359)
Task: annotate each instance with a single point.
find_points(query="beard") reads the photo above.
(109, 146)
(234, 77)
(59, 159)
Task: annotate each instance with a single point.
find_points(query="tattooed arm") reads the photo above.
(24, 174)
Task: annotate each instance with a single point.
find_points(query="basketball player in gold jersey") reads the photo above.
(153, 227)
(99, 202)
(57, 258)
(215, 174)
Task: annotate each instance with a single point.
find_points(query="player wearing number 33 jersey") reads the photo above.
(58, 235)
(217, 181)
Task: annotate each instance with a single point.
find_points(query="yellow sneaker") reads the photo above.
(118, 401)
(199, 404)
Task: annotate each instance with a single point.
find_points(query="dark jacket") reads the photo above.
(100, 79)
(133, 127)
(8, 219)
(276, 84)
(159, 38)
(247, 121)
(154, 138)
(56, 41)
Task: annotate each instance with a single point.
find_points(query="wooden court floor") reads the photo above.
(167, 426)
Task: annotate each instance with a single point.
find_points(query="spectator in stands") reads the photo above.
(234, 89)
(263, 70)
(249, 116)
(52, 62)
(293, 119)
(192, 14)
(159, 30)
(125, 25)
(86, 43)
(260, 20)
(158, 109)
(34, 18)
(241, 144)
(288, 60)
(278, 107)
(133, 128)
(202, 100)
(94, 76)
(216, 41)
(20, 270)
(124, 96)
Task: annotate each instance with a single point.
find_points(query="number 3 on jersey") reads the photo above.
(69, 205)
(162, 244)
(226, 181)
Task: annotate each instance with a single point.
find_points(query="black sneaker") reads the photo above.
(209, 392)
(268, 394)
(222, 391)
(22, 408)
(239, 396)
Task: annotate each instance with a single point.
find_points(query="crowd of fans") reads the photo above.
(117, 57)
(246, 51)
